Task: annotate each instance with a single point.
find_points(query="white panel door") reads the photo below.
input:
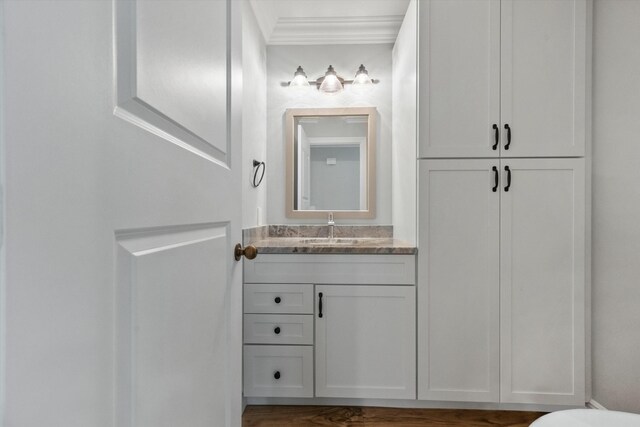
(543, 60)
(459, 78)
(458, 280)
(365, 341)
(542, 281)
(122, 141)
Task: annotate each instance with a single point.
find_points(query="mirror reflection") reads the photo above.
(330, 162)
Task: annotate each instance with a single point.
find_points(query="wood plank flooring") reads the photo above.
(353, 416)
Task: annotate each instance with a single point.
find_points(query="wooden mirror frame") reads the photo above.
(290, 116)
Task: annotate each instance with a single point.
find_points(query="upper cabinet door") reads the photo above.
(543, 72)
(459, 78)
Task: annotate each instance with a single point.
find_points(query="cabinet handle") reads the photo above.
(508, 128)
(276, 375)
(495, 177)
(506, 168)
(320, 304)
(497, 136)
(277, 330)
(277, 300)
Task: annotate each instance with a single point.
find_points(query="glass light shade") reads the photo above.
(299, 78)
(362, 77)
(331, 83)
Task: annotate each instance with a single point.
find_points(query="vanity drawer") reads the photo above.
(278, 371)
(276, 298)
(295, 329)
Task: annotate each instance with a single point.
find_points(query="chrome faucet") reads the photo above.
(331, 223)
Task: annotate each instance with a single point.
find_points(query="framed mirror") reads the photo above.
(330, 159)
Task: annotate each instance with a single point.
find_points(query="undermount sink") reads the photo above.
(325, 241)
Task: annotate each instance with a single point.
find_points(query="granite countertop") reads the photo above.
(361, 245)
(279, 239)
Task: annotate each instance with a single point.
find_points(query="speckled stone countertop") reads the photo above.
(312, 239)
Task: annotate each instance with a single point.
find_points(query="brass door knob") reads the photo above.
(250, 252)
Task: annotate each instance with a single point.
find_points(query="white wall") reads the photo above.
(282, 61)
(254, 118)
(404, 149)
(616, 204)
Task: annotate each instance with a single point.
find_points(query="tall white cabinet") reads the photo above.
(503, 131)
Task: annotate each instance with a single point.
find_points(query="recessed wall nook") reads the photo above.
(488, 207)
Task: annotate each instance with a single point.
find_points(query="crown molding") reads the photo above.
(335, 30)
(265, 14)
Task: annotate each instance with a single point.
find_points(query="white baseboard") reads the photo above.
(404, 403)
(592, 404)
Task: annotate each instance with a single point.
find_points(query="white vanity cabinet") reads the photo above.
(362, 308)
(501, 281)
(503, 78)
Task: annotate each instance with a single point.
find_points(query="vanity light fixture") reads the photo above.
(362, 77)
(331, 82)
(299, 78)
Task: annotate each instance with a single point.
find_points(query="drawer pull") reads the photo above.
(320, 304)
(277, 375)
(278, 300)
(277, 330)
(497, 136)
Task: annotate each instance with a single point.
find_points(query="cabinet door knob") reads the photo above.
(277, 330)
(250, 252)
(277, 300)
(497, 136)
(320, 304)
(495, 178)
(508, 128)
(276, 375)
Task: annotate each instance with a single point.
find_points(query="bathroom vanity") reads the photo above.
(330, 318)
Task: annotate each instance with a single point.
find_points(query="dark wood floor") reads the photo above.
(351, 416)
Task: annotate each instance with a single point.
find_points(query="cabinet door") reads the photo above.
(542, 282)
(543, 60)
(458, 282)
(459, 77)
(365, 342)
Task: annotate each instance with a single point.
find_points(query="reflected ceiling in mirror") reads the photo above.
(330, 162)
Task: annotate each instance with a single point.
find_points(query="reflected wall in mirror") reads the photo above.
(330, 162)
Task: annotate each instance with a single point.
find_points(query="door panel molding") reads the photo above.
(143, 94)
(171, 293)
